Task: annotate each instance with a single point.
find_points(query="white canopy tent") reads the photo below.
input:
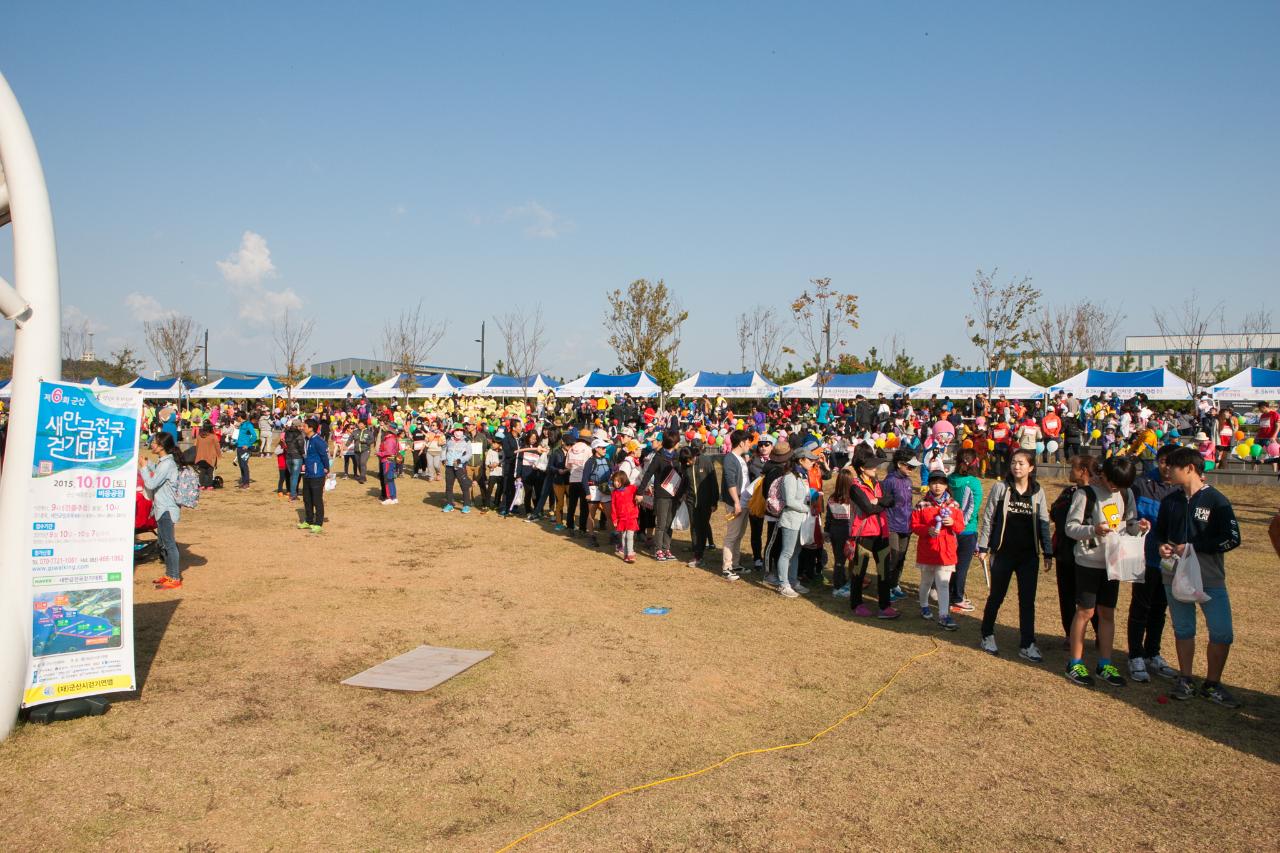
(740, 386)
(635, 384)
(428, 385)
(495, 385)
(1157, 384)
(228, 388)
(842, 386)
(971, 383)
(320, 388)
(160, 389)
(1252, 383)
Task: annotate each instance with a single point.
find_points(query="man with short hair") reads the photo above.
(734, 481)
(1147, 605)
(315, 469)
(1198, 515)
(246, 438)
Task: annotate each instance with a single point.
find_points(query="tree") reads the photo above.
(897, 364)
(123, 367)
(524, 336)
(1184, 329)
(665, 373)
(292, 339)
(999, 320)
(172, 341)
(1068, 338)
(1248, 336)
(407, 340)
(75, 340)
(819, 316)
(644, 324)
(765, 337)
(744, 340)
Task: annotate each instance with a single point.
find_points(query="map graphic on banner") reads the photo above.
(80, 528)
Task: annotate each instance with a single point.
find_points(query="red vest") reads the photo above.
(866, 525)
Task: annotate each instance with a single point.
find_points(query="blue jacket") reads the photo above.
(1150, 491)
(596, 472)
(316, 461)
(247, 435)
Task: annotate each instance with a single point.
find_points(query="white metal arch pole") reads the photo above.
(37, 355)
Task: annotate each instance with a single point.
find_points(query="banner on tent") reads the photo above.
(80, 531)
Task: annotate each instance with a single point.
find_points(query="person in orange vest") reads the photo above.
(1051, 429)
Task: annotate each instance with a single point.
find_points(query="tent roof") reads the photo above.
(319, 387)
(231, 387)
(497, 385)
(844, 386)
(636, 384)
(1158, 384)
(970, 383)
(1252, 383)
(742, 385)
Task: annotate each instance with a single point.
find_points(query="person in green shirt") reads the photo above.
(966, 488)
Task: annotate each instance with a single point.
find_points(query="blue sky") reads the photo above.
(343, 159)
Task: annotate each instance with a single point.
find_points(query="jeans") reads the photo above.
(389, 479)
(1147, 608)
(664, 509)
(242, 459)
(965, 545)
(168, 546)
(788, 565)
(1217, 615)
(313, 500)
(457, 473)
(295, 474)
(1003, 568)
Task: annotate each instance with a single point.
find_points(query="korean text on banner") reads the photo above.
(83, 488)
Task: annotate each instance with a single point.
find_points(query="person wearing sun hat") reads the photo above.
(457, 453)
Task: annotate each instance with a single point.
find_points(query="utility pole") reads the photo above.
(480, 341)
(205, 377)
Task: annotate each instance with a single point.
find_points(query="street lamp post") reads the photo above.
(480, 341)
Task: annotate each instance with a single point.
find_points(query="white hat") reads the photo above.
(598, 443)
(1200, 436)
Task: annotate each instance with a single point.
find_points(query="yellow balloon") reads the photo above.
(991, 445)
(880, 443)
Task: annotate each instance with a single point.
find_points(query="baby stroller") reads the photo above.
(144, 550)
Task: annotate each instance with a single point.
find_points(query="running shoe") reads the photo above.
(1110, 675)
(169, 583)
(1079, 674)
(948, 624)
(772, 580)
(896, 594)
(1160, 667)
(630, 558)
(1183, 688)
(964, 605)
(926, 613)
(888, 613)
(730, 575)
(862, 610)
(988, 645)
(465, 510)
(302, 525)
(801, 588)
(557, 527)
(445, 508)
(1031, 653)
(787, 592)
(316, 528)
(842, 592)
(1218, 693)
(1138, 670)
(757, 565)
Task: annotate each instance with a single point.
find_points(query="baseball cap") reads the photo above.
(937, 477)
(598, 443)
(906, 457)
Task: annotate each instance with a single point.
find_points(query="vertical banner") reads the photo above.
(80, 528)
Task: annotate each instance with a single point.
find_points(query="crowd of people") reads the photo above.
(823, 493)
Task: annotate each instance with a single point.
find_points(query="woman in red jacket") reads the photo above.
(935, 522)
(625, 515)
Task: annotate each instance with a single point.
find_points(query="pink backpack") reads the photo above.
(773, 500)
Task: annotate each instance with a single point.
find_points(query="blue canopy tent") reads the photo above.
(636, 384)
(739, 386)
(320, 388)
(228, 388)
(844, 386)
(160, 389)
(1157, 384)
(971, 383)
(1252, 383)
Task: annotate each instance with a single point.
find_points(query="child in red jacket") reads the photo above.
(625, 515)
(935, 521)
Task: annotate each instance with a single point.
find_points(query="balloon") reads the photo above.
(880, 443)
(1242, 450)
(1159, 433)
(943, 427)
(892, 441)
(1209, 465)
(1097, 433)
(1039, 447)
(980, 422)
(967, 444)
(1052, 447)
(991, 445)
(1273, 449)
(1239, 435)
(1255, 450)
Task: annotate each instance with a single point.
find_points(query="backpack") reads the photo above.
(756, 504)
(187, 489)
(1062, 545)
(774, 501)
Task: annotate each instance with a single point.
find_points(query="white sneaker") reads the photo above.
(390, 502)
(801, 588)
(730, 575)
(787, 592)
(772, 580)
(842, 592)
(1031, 653)
(988, 645)
(1138, 670)
(1161, 667)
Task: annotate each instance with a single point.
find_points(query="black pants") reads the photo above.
(1147, 610)
(1064, 567)
(489, 485)
(899, 543)
(577, 501)
(242, 459)
(508, 487)
(458, 474)
(532, 478)
(313, 500)
(1003, 568)
(757, 537)
(700, 530)
(871, 548)
(361, 459)
(205, 471)
(838, 533)
(1070, 450)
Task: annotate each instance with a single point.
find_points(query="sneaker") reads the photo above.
(758, 565)
(1110, 675)
(787, 592)
(1138, 670)
(1218, 693)
(948, 624)
(630, 558)
(169, 583)
(465, 510)
(964, 605)
(896, 594)
(801, 588)
(1079, 674)
(302, 525)
(1031, 653)
(557, 527)
(862, 610)
(1161, 667)
(445, 508)
(730, 575)
(888, 613)
(842, 592)
(391, 502)
(988, 645)
(1183, 688)
(926, 613)
(316, 528)
(772, 580)
(694, 564)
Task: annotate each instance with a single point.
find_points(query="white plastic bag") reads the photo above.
(681, 519)
(1126, 557)
(807, 529)
(518, 500)
(1187, 585)
(331, 482)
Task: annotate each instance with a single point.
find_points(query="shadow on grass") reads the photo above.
(150, 622)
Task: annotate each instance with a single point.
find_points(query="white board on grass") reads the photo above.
(418, 670)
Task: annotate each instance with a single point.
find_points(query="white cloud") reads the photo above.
(73, 317)
(145, 308)
(400, 209)
(244, 272)
(538, 221)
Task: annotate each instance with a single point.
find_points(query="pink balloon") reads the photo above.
(1273, 449)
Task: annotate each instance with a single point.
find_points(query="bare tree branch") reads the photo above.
(172, 341)
(1184, 329)
(822, 319)
(767, 339)
(999, 319)
(524, 336)
(407, 341)
(292, 338)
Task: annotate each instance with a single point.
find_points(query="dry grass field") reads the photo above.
(241, 737)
